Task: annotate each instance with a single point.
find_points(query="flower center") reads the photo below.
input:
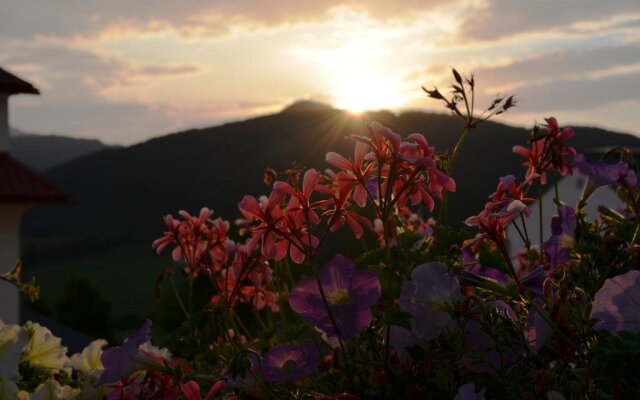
(339, 297)
(288, 367)
(566, 242)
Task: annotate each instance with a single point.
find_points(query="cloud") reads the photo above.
(498, 19)
(170, 69)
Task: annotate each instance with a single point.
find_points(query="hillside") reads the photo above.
(42, 152)
(123, 193)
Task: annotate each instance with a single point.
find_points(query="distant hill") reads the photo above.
(42, 152)
(123, 193)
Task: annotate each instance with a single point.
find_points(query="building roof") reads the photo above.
(11, 84)
(19, 185)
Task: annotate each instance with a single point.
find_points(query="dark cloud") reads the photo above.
(562, 65)
(579, 94)
(502, 18)
(72, 18)
(71, 81)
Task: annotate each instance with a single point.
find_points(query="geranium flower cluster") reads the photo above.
(547, 151)
(235, 271)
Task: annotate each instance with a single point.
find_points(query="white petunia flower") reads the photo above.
(88, 362)
(8, 390)
(45, 350)
(51, 390)
(13, 340)
(160, 352)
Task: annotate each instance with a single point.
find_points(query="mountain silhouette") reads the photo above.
(42, 152)
(122, 193)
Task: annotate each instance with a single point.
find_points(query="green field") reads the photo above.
(125, 276)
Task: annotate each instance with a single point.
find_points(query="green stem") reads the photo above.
(325, 302)
(388, 286)
(540, 217)
(177, 295)
(555, 186)
(190, 298)
(241, 325)
(456, 150)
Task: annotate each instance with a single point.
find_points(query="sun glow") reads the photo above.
(359, 90)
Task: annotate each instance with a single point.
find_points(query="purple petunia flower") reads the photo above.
(484, 348)
(350, 294)
(120, 362)
(472, 265)
(427, 296)
(603, 174)
(617, 304)
(286, 362)
(537, 330)
(563, 230)
(401, 339)
(468, 392)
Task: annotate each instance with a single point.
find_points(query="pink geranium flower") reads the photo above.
(199, 241)
(339, 210)
(263, 220)
(547, 151)
(356, 172)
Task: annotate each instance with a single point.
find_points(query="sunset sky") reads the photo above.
(123, 71)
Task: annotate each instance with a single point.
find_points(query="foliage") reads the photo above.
(79, 305)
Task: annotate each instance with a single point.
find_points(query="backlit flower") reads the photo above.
(199, 241)
(428, 298)
(262, 220)
(52, 390)
(468, 392)
(88, 362)
(559, 246)
(340, 211)
(350, 294)
(617, 304)
(537, 328)
(287, 362)
(547, 151)
(355, 173)
(45, 350)
(10, 391)
(489, 353)
(121, 361)
(602, 173)
(13, 339)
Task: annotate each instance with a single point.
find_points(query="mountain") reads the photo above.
(122, 193)
(42, 152)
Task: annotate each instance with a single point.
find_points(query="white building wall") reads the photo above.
(10, 216)
(4, 123)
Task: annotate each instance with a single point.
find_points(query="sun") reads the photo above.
(359, 90)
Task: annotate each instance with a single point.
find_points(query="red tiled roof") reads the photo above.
(19, 185)
(11, 84)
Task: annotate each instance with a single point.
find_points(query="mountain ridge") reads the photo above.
(43, 152)
(123, 193)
